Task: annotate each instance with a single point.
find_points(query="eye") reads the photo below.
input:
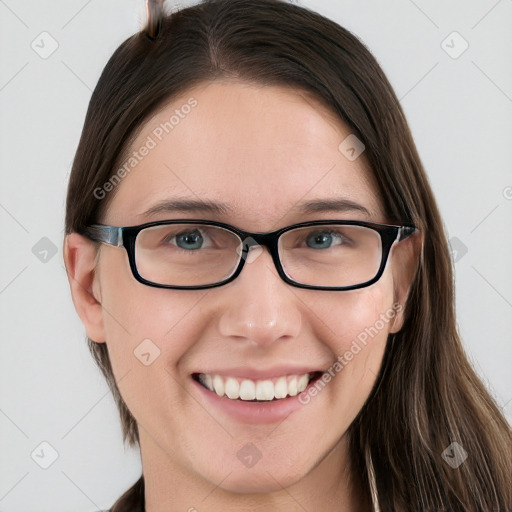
(325, 239)
(191, 239)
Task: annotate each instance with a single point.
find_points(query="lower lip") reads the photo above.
(252, 412)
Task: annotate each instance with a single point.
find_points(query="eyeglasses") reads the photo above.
(195, 254)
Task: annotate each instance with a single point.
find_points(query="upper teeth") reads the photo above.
(247, 389)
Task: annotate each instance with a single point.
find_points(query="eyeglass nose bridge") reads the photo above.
(252, 241)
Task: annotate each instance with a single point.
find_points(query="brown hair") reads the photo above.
(427, 395)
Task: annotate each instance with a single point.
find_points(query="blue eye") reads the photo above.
(189, 240)
(323, 239)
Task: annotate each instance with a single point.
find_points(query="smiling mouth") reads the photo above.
(249, 390)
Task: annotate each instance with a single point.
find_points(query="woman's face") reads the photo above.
(264, 153)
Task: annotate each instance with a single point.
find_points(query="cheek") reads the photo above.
(147, 329)
(134, 312)
(356, 326)
(363, 314)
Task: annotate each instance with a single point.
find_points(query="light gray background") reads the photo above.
(459, 110)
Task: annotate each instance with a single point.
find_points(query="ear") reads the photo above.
(80, 259)
(406, 256)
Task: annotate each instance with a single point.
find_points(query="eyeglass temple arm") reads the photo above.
(108, 234)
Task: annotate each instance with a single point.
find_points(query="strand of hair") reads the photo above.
(154, 15)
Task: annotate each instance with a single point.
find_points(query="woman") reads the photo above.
(259, 262)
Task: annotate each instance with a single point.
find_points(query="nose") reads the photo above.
(258, 306)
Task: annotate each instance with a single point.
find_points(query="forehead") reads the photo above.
(260, 150)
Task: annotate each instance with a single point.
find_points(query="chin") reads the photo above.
(264, 480)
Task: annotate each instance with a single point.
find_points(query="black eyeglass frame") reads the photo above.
(126, 236)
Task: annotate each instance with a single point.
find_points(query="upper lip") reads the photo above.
(259, 374)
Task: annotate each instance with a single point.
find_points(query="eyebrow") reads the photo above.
(330, 205)
(218, 208)
(188, 205)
